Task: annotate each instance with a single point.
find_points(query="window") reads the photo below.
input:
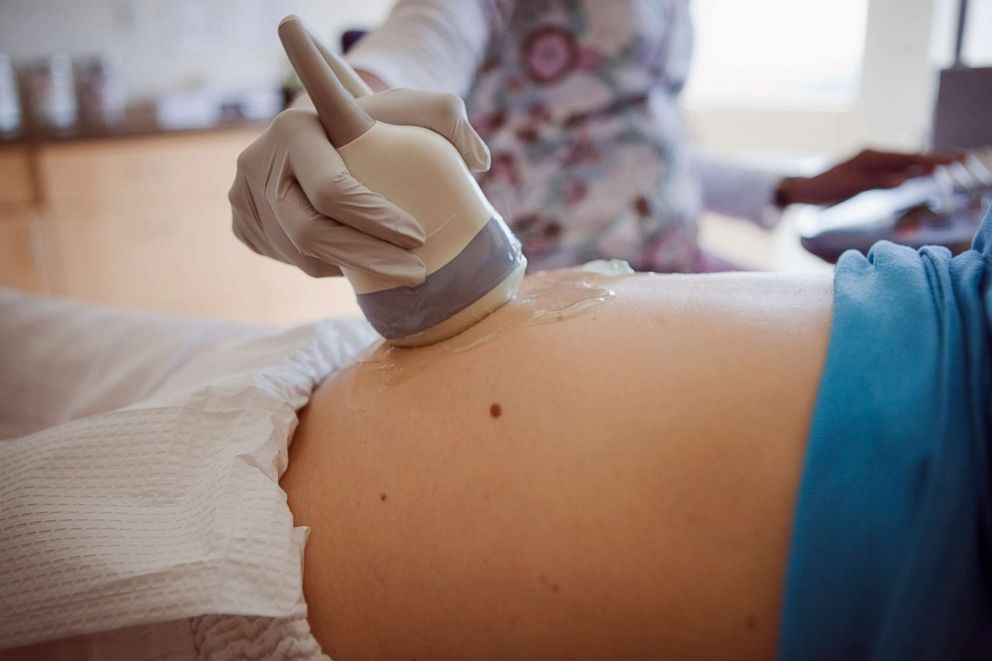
(779, 54)
(977, 50)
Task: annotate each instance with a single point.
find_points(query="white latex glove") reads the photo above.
(294, 199)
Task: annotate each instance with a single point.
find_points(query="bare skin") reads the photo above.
(620, 484)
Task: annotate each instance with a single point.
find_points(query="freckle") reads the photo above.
(514, 619)
(751, 622)
(554, 588)
(543, 579)
(495, 410)
(560, 317)
(382, 497)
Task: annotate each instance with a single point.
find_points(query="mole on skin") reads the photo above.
(549, 584)
(382, 497)
(496, 410)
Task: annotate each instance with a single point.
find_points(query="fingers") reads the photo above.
(923, 163)
(351, 203)
(320, 239)
(441, 113)
(333, 192)
(282, 247)
(246, 231)
(253, 235)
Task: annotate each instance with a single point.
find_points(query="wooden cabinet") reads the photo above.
(22, 242)
(17, 183)
(22, 253)
(144, 223)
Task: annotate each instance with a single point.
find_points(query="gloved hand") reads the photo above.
(294, 200)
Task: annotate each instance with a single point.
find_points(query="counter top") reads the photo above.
(133, 126)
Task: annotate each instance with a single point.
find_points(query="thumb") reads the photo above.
(442, 113)
(471, 146)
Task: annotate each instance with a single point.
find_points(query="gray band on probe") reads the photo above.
(484, 263)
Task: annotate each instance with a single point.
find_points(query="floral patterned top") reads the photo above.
(578, 100)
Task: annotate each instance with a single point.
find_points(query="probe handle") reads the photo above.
(343, 120)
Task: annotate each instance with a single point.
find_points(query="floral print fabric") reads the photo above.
(578, 101)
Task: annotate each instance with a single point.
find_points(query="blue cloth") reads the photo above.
(891, 554)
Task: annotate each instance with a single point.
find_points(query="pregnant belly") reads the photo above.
(619, 482)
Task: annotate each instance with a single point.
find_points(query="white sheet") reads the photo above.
(154, 498)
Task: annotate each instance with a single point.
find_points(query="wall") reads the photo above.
(169, 44)
(906, 42)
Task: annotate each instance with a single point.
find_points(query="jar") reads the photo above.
(10, 106)
(101, 91)
(51, 92)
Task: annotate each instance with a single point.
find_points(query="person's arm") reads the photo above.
(759, 196)
(433, 45)
(731, 189)
(867, 170)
